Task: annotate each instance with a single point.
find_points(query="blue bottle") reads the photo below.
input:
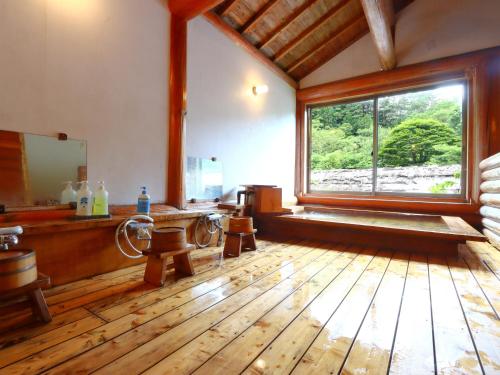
(143, 202)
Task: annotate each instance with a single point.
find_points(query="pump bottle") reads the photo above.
(101, 200)
(68, 195)
(84, 200)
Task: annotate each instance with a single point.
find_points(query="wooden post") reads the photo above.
(177, 95)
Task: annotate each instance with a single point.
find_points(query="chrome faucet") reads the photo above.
(9, 236)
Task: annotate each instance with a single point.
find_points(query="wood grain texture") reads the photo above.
(288, 307)
(287, 21)
(380, 16)
(453, 342)
(293, 32)
(310, 30)
(414, 356)
(177, 109)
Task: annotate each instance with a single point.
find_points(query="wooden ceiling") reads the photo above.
(298, 36)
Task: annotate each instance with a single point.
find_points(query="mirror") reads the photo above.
(203, 179)
(33, 168)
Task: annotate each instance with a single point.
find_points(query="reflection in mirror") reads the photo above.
(203, 179)
(33, 168)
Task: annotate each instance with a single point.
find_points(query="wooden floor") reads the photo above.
(301, 308)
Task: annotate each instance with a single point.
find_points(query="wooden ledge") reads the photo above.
(48, 225)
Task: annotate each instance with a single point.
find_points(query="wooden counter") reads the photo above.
(69, 250)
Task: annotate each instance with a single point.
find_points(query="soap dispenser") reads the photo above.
(143, 202)
(84, 200)
(68, 195)
(101, 200)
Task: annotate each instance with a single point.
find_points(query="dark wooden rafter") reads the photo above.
(380, 17)
(318, 48)
(282, 35)
(226, 7)
(218, 22)
(328, 56)
(257, 16)
(286, 22)
(310, 30)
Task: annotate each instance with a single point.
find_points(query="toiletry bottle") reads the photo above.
(143, 202)
(101, 200)
(68, 195)
(84, 200)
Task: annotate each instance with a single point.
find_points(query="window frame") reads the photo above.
(471, 67)
(375, 148)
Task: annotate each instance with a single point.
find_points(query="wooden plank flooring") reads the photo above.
(296, 307)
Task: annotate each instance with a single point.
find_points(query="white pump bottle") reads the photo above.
(84, 200)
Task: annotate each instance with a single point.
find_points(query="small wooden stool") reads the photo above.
(166, 242)
(34, 291)
(240, 235)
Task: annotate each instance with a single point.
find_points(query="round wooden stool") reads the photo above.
(165, 242)
(240, 236)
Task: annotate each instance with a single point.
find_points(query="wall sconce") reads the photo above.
(261, 89)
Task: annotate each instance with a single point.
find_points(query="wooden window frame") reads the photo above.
(471, 68)
(374, 99)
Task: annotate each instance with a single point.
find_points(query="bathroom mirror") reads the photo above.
(203, 179)
(33, 168)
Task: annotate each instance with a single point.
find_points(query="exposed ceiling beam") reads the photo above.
(227, 6)
(380, 17)
(308, 54)
(218, 22)
(257, 16)
(187, 9)
(286, 22)
(310, 30)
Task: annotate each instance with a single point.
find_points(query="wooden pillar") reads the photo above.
(494, 106)
(177, 100)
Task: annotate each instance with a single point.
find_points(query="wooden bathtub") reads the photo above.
(390, 230)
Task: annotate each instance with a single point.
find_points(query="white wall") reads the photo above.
(425, 30)
(254, 137)
(96, 70)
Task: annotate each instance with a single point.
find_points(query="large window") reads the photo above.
(405, 143)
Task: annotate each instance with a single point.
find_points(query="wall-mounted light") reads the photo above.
(261, 89)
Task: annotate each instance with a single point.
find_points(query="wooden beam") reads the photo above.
(252, 21)
(177, 108)
(311, 68)
(217, 21)
(187, 9)
(228, 5)
(380, 17)
(311, 52)
(287, 21)
(310, 30)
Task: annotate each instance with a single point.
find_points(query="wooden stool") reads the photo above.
(240, 235)
(165, 242)
(34, 291)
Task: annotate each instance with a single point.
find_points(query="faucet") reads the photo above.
(9, 236)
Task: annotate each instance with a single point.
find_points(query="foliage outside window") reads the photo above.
(408, 143)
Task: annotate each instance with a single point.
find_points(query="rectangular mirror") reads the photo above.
(203, 179)
(33, 168)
